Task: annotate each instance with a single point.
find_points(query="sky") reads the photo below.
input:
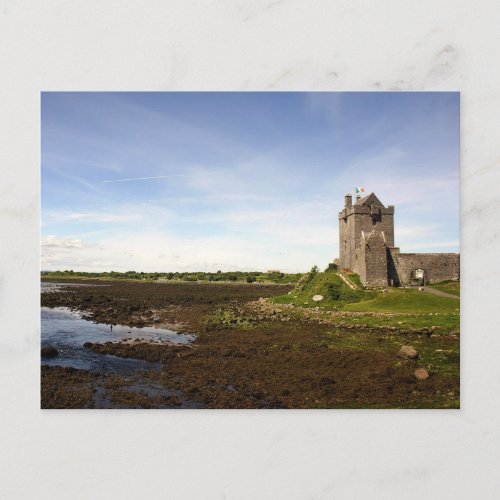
(207, 181)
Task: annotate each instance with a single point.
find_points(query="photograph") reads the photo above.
(250, 250)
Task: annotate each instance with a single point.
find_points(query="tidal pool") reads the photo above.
(67, 331)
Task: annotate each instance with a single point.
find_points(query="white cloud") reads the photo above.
(55, 242)
(162, 252)
(281, 235)
(140, 212)
(97, 217)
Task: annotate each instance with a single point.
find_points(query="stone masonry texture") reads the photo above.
(366, 247)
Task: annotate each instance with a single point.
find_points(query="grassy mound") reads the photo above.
(336, 294)
(451, 287)
(399, 307)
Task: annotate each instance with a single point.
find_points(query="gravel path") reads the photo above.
(441, 294)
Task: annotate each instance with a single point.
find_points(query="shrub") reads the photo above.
(333, 291)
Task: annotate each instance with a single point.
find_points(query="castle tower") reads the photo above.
(359, 223)
(366, 247)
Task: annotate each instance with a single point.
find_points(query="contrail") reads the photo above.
(145, 178)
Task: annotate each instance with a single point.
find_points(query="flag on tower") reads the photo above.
(360, 190)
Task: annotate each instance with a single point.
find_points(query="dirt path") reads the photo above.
(347, 281)
(441, 294)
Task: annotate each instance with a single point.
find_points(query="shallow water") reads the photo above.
(67, 331)
(57, 286)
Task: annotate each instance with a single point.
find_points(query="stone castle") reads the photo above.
(366, 247)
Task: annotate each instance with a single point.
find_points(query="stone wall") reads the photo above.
(437, 266)
(366, 247)
(373, 257)
(366, 215)
(363, 221)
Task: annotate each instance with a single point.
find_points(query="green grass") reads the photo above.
(328, 284)
(226, 318)
(451, 287)
(444, 321)
(355, 279)
(408, 309)
(392, 300)
(394, 307)
(400, 300)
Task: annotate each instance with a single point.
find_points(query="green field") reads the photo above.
(451, 287)
(404, 300)
(392, 307)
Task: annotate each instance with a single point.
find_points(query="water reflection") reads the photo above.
(67, 331)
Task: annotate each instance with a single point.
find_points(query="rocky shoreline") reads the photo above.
(251, 353)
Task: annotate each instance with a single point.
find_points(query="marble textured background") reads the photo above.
(240, 45)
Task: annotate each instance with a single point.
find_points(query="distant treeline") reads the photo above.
(236, 276)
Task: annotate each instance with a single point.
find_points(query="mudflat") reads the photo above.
(247, 353)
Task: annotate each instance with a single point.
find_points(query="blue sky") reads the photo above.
(246, 181)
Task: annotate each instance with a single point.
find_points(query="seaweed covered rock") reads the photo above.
(49, 352)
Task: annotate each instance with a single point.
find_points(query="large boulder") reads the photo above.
(49, 352)
(408, 352)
